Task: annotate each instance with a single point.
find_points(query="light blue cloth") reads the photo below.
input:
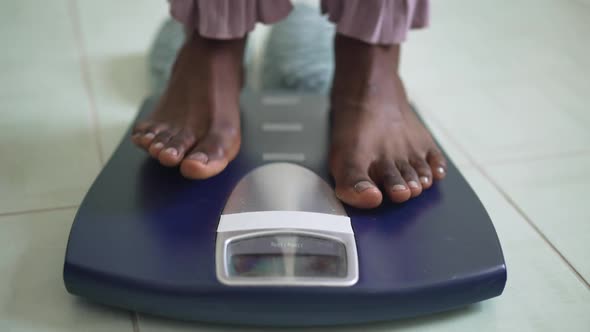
(299, 53)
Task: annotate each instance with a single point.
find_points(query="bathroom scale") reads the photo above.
(266, 242)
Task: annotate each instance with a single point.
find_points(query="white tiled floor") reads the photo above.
(116, 36)
(504, 85)
(44, 110)
(32, 295)
(549, 192)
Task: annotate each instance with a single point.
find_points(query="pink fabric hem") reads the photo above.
(377, 21)
(227, 19)
(372, 21)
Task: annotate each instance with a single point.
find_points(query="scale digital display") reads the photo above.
(287, 255)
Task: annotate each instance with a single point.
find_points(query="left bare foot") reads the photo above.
(379, 146)
(196, 123)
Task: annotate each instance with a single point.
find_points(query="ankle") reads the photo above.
(234, 46)
(370, 59)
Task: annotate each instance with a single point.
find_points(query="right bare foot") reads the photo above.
(196, 123)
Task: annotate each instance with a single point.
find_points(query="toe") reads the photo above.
(438, 164)
(424, 172)
(392, 181)
(135, 138)
(141, 126)
(172, 152)
(159, 142)
(199, 164)
(409, 174)
(355, 187)
(210, 156)
(139, 130)
(146, 138)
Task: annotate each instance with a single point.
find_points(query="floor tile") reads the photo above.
(44, 123)
(445, 141)
(554, 194)
(49, 151)
(500, 92)
(119, 83)
(116, 55)
(32, 294)
(513, 122)
(46, 139)
(477, 41)
(131, 26)
(35, 31)
(542, 293)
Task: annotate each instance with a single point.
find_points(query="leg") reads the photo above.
(379, 146)
(196, 122)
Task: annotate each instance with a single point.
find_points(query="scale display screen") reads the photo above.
(287, 255)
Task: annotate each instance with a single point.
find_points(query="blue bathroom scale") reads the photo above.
(266, 242)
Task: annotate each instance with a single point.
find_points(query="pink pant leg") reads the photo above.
(227, 19)
(377, 21)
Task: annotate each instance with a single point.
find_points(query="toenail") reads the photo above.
(399, 187)
(413, 184)
(362, 186)
(171, 151)
(158, 145)
(424, 180)
(149, 135)
(199, 156)
(440, 170)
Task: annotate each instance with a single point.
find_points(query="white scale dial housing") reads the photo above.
(283, 226)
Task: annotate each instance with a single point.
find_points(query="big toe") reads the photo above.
(354, 187)
(199, 165)
(210, 156)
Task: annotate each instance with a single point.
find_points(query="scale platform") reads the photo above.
(267, 243)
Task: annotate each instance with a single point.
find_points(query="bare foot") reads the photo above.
(196, 123)
(379, 146)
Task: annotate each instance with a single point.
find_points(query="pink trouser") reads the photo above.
(372, 21)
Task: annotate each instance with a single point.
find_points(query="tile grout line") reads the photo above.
(534, 226)
(135, 321)
(85, 72)
(42, 210)
(510, 201)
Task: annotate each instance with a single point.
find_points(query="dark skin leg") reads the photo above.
(196, 123)
(379, 147)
